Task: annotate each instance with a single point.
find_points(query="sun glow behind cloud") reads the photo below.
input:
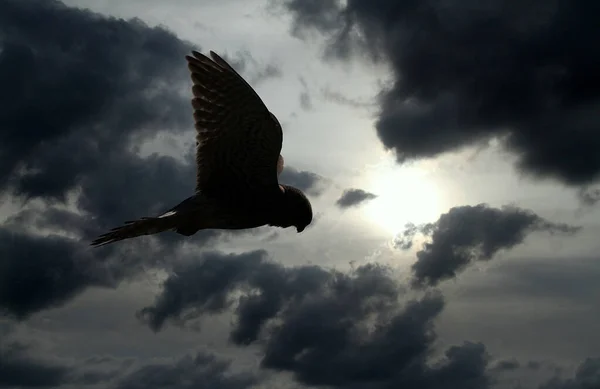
(405, 194)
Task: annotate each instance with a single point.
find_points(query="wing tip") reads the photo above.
(196, 55)
(215, 56)
(100, 241)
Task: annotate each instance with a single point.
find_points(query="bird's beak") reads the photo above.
(299, 229)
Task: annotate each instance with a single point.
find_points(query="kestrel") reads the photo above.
(238, 146)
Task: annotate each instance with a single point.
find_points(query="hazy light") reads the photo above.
(405, 194)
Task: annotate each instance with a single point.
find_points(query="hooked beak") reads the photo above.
(300, 229)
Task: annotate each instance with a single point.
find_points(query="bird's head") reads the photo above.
(296, 208)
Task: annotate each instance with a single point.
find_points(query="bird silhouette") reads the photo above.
(238, 146)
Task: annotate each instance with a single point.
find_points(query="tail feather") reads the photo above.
(135, 228)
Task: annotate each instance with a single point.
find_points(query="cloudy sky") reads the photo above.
(450, 150)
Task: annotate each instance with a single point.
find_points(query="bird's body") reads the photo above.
(238, 160)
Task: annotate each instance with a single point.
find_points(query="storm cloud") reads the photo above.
(586, 376)
(355, 329)
(43, 271)
(354, 197)
(190, 371)
(75, 104)
(197, 287)
(77, 97)
(78, 101)
(309, 182)
(19, 368)
(466, 72)
(467, 234)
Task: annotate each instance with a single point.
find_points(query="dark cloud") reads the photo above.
(39, 272)
(19, 369)
(324, 15)
(309, 182)
(404, 239)
(327, 328)
(354, 197)
(205, 286)
(199, 287)
(305, 98)
(327, 340)
(80, 93)
(254, 71)
(506, 365)
(198, 371)
(467, 234)
(589, 196)
(305, 101)
(79, 90)
(465, 72)
(587, 376)
(570, 280)
(534, 365)
(267, 72)
(339, 98)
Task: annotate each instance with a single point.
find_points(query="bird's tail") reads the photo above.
(132, 229)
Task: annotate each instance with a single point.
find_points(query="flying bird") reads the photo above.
(238, 161)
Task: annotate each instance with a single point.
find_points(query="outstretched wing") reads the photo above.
(238, 140)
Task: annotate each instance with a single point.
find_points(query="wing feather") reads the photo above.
(238, 140)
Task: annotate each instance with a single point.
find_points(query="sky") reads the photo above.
(449, 150)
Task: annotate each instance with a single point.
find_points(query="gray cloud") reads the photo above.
(467, 234)
(465, 72)
(404, 239)
(354, 197)
(197, 287)
(309, 182)
(111, 82)
(587, 376)
(589, 196)
(339, 98)
(197, 371)
(81, 91)
(305, 99)
(330, 328)
(39, 272)
(567, 279)
(20, 369)
(268, 72)
(506, 365)
(254, 71)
